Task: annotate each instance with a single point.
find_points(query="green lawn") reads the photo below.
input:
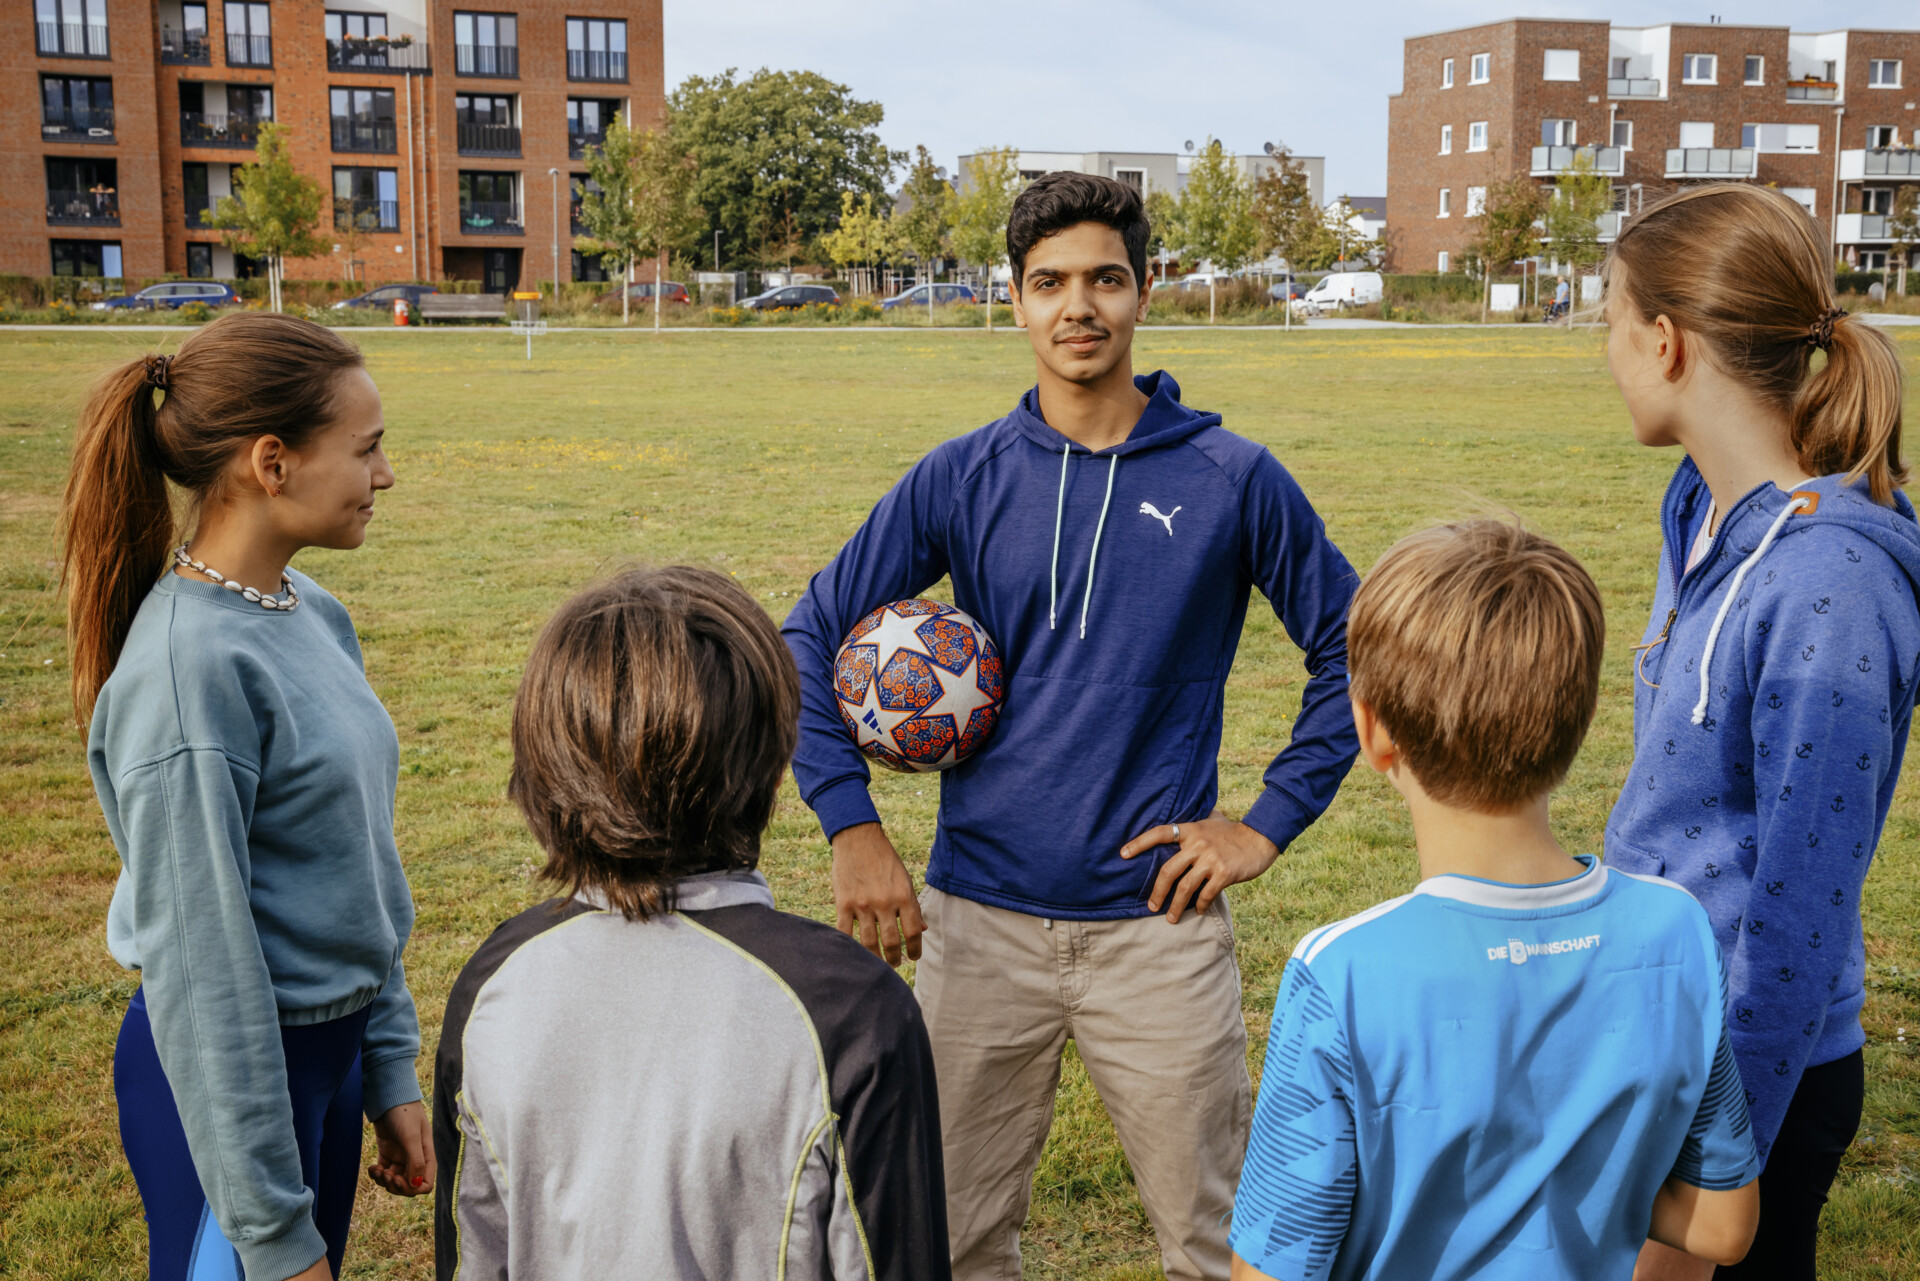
(759, 453)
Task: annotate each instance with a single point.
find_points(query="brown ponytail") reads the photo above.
(1744, 270)
(246, 375)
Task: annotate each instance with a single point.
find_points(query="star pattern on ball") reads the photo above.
(919, 685)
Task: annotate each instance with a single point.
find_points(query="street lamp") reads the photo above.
(555, 175)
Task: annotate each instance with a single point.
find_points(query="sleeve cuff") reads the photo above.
(295, 1250)
(842, 805)
(1278, 817)
(386, 1085)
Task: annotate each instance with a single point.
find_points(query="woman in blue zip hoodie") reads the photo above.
(1775, 682)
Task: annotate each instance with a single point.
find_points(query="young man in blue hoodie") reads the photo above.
(1107, 537)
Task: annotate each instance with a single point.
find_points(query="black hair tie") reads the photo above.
(1820, 332)
(159, 373)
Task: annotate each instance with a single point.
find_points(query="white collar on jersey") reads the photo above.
(706, 891)
(1483, 893)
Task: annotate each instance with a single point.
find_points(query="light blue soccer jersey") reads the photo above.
(1491, 1081)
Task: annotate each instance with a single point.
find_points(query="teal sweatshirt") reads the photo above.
(247, 773)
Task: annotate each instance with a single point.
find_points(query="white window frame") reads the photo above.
(1546, 66)
(1808, 198)
(1446, 203)
(1618, 125)
(1571, 132)
(1477, 129)
(1695, 146)
(1476, 201)
(1893, 137)
(1480, 69)
(1446, 140)
(1874, 66)
(1761, 77)
(1690, 68)
(1446, 73)
(1445, 262)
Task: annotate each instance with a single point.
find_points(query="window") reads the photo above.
(188, 43)
(1446, 140)
(1700, 69)
(200, 261)
(484, 124)
(1556, 133)
(196, 185)
(83, 193)
(71, 28)
(1477, 136)
(1876, 200)
(1446, 260)
(1883, 73)
(1771, 139)
(1696, 133)
(1446, 203)
(587, 121)
(1562, 64)
(361, 40)
(1617, 68)
(1481, 69)
(1623, 134)
(368, 199)
(1446, 73)
(486, 44)
(94, 258)
(363, 120)
(488, 205)
(579, 187)
(1135, 178)
(1756, 70)
(76, 110)
(249, 35)
(1802, 196)
(1476, 201)
(1880, 137)
(596, 49)
(591, 267)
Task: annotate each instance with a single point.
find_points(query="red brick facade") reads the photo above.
(152, 138)
(1826, 123)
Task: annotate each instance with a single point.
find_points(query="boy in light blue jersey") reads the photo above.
(1520, 1069)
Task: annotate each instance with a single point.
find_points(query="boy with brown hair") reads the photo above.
(1520, 1069)
(659, 1075)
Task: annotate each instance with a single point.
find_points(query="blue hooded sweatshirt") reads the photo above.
(1115, 586)
(1769, 727)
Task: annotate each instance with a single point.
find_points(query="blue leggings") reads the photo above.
(323, 1079)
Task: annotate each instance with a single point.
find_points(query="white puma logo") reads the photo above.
(1148, 509)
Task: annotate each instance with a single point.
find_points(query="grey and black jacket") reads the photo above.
(722, 1091)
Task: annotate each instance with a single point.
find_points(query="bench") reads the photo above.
(463, 307)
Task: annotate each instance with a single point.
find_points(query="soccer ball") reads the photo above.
(919, 685)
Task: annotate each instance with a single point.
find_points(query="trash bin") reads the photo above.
(400, 312)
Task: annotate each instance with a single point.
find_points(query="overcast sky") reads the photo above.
(1121, 75)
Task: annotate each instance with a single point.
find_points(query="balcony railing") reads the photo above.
(596, 64)
(1610, 225)
(1548, 161)
(501, 61)
(249, 51)
(367, 215)
(1813, 91)
(71, 39)
(491, 218)
(1857, 228)
(202, 217)
(1710, 162)
(83, 208)
(365, 135)
(1889, 162)
(1630, 87)
(377, 53)
(488, 140)
(78, 124)
(197, 129)
(185, 48)
(577, 143)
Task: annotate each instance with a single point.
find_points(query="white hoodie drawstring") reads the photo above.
(1094, 556)
(1059, 509)
(1739, 576)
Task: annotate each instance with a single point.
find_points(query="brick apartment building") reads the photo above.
(1829, 117)
(431, 125)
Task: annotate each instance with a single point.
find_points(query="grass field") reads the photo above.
(759, 453)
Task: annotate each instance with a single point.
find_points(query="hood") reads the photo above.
(1165, 421)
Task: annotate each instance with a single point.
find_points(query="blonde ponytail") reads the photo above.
(1847, 415)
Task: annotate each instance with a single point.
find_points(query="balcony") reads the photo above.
(491, 218)
(1551, 161)
(1710, 162)
(1813, 91)
(1610, 226)
(596, 64)
(577, 143)
(1861, 228)
(197, 129)
(365, 135)
(78, 124)
(249, 51)
(400, 54)
(1879, 162)
(488, 140)
(501, 61)
(1628, 87)
(83, 208)
(367, 215)
(185, 48)
(200, 219)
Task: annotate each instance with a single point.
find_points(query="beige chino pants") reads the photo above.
(1154, 1010)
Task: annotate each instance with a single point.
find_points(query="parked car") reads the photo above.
(384, 296)
(1288, 291)
(793, 296)
(943, 295)
(1345, 289)
(173, 297)
(642, 291)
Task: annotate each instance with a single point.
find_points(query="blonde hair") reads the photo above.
(1478, 646)
(1744, 270)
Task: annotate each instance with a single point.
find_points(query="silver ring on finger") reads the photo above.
(1176, 833)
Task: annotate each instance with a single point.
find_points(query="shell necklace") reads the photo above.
(292, 602)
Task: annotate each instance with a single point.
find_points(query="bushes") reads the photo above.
(1428, 286)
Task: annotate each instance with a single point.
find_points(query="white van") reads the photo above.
(1345, 289)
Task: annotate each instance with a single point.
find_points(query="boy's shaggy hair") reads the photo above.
(657, 714)
(1478, 645)
(1054, 202)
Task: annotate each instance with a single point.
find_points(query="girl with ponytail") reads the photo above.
(247, 774)
(1775, 682)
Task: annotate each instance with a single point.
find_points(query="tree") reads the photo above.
(1572, 217)
(643, 207)
(1903, 225)
(774, 152)
(1506, 233)
(1216, 216)
(980, 212)
(865, 236)
(274, 211)
(1287, 221)
(928, 214)
(1165, 239)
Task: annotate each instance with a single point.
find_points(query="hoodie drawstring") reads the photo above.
(1739, 576)
(1059, 514)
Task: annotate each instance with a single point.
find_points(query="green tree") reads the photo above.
(866, 234)
(980, 212)
(1216, 216)
(774, 152)
(1506, 232)
(1581, 197)
(1903, 227)
(928, 214)
(274, 211)
(643, 207)
(1287, 221)
(1165, 239)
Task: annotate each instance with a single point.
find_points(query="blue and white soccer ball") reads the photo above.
(919, 685)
